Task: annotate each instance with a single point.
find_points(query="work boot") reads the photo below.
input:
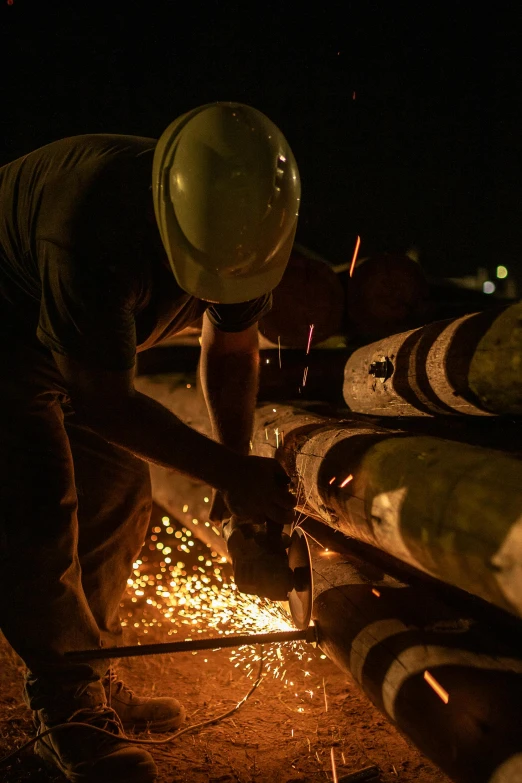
(139, 713)
(85, 755)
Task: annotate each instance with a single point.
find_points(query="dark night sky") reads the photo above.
(429, 152)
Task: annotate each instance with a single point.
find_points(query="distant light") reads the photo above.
(488, 287)
(502, 272)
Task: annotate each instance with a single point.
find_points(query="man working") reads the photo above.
(86, 280)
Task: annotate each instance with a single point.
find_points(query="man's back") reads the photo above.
(80, 193)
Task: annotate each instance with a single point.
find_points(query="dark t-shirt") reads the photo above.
(82, 266)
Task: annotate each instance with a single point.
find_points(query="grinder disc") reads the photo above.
(300, 599)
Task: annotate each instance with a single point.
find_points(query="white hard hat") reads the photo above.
(226, 195)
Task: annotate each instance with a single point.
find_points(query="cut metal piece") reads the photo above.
(301, 597)
(189, 645)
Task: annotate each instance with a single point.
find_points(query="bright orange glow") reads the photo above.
(346, 481)
(439, 690)
(376, 592)
(332, 480)
(355, 253)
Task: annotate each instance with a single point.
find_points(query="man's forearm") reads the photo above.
(230, 384)
(149, 430)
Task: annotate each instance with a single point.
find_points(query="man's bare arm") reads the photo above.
(110, 405)
(229, 374)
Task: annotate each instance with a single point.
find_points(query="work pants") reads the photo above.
(74, 511)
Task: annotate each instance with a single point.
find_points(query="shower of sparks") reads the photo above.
(343, 758)
(181, 587)
(305, 375)
(376, 592)
(346, 481)
(439, 690)
(276, 431)
(355, 253)
(334, 768)
(279, 348)
(310, 338)
(325, 697)
(332, 480)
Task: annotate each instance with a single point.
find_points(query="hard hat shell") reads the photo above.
(226, 193)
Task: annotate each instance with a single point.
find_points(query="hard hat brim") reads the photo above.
(199, 282)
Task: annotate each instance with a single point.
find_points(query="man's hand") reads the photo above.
(259, 493)
(218, 508)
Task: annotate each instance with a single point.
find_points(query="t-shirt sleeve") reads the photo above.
(237, 317)
(86, 309)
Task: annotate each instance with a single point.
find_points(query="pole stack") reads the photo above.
(450, 509)
(470, 365)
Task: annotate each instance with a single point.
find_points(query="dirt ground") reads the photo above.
(303, 708)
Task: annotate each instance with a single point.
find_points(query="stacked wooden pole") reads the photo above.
(449, 509)
(446, 671)
(470, 365)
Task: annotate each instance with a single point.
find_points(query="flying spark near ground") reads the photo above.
(191, 593)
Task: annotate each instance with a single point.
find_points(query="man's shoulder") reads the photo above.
(94, 188)
(73, 150)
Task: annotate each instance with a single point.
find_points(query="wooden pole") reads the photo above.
(309, 294)
(446, 671)
(384, 294)
(282, 372)
(449, 509)
(470, 365)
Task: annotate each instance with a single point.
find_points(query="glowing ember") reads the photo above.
(334, 768)
(355, 253)
(332, 480)
(376, 592)
(310, 338)
(439, 690)
(346, 481)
